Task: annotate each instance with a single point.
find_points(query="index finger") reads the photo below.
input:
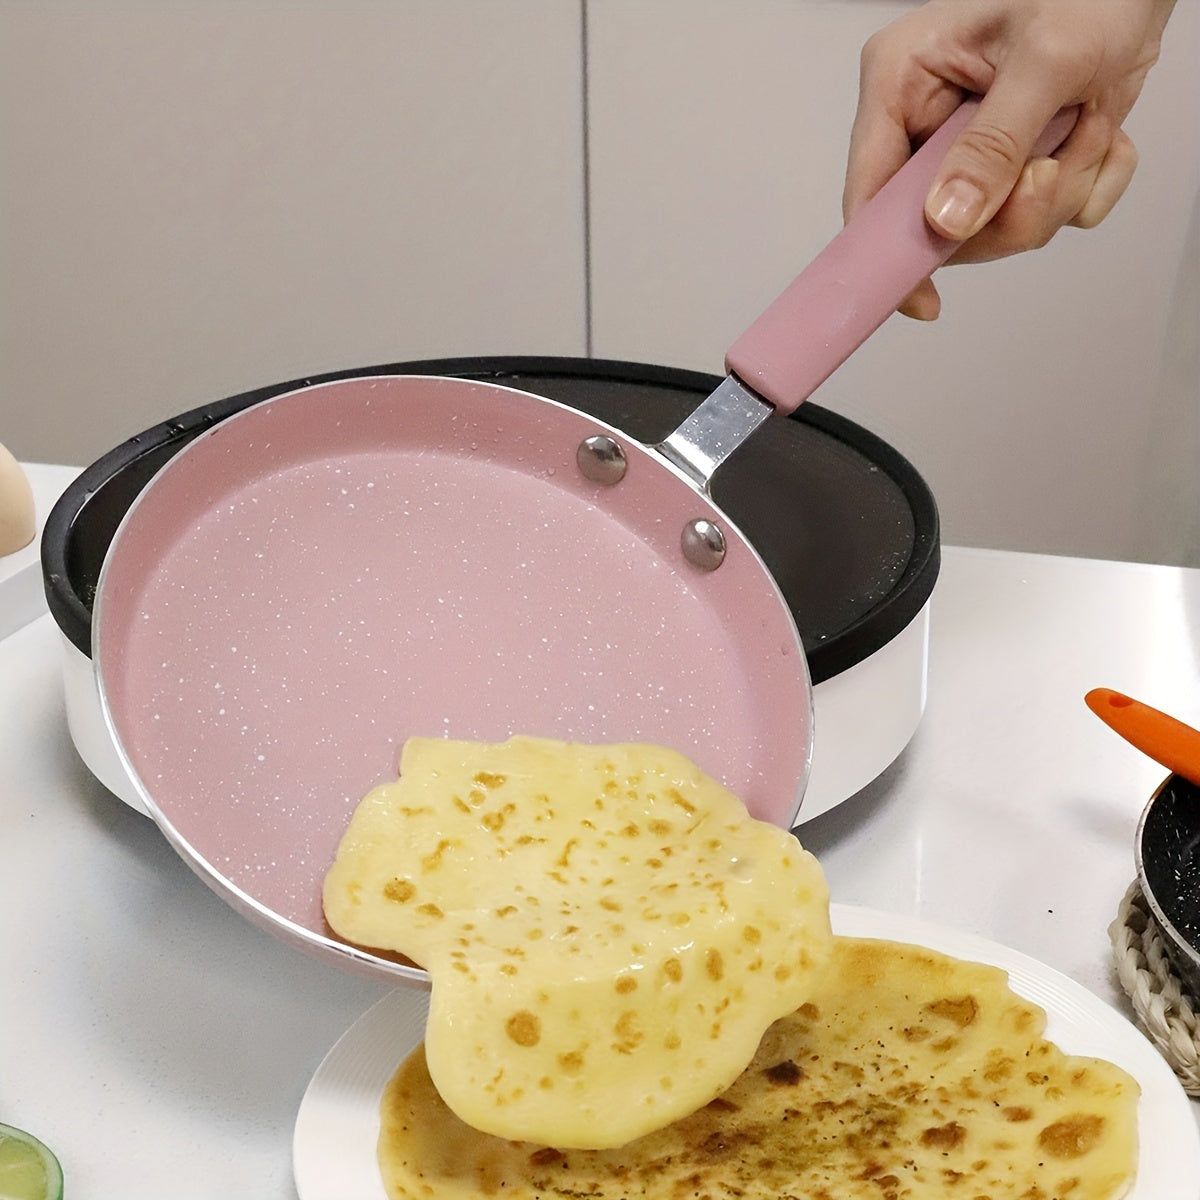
(882, 138)
(983, 165)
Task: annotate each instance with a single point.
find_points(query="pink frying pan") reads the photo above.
(336, 569)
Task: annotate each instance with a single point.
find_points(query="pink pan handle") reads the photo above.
(858, 280)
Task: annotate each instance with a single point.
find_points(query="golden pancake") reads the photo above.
(607, 930)
(909, 1075)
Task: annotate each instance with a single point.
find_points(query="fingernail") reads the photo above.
(1043, 175)
(956, 208)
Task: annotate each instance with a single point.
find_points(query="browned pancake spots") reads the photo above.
(998, 1069)
(433, 860)
(962, 1010)
(571, 1062)
(494, 821)
(628, 1035)
(677, 797)
(943, 1137)
(723, 1144)
(399, 890)
(888, 1185)
(786, 1072)
(524, 1028)
(1073, 1136)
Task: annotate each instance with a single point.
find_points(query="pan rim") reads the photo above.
(878, 624)
(251, 906)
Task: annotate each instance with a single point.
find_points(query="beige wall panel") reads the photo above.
(202, 196)
(1054, 407)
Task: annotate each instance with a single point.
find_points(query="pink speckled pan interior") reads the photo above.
(331, 571)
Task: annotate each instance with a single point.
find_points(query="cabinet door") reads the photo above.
(201, 198)
(1040, 407)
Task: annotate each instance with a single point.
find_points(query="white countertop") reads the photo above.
(161, 1044)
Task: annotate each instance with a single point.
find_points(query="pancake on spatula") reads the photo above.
(607, 931)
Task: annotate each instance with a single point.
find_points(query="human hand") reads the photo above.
(1027, 59)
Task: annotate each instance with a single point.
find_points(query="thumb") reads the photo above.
(983, 165)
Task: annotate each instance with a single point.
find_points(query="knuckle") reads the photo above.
(875, 51)
(986, 144)
(1123, 154)
(1093, 211)
(1061, 50)
(1043, 237)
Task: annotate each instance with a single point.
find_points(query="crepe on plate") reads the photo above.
(908, 1075)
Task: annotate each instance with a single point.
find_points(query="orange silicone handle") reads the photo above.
(1168, 741)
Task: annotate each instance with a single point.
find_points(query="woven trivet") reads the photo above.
(1146, 974)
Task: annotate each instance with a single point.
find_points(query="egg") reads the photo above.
(18, 522)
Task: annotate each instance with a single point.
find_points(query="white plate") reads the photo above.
(338, 1124)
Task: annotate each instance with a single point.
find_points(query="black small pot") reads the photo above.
(1168, 866)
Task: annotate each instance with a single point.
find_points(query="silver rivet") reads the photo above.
(703, 544)
(601, 459)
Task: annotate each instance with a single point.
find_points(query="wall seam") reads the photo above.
(585, 116)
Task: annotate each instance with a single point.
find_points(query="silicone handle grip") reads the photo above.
(1169, 742)
(859, 279)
